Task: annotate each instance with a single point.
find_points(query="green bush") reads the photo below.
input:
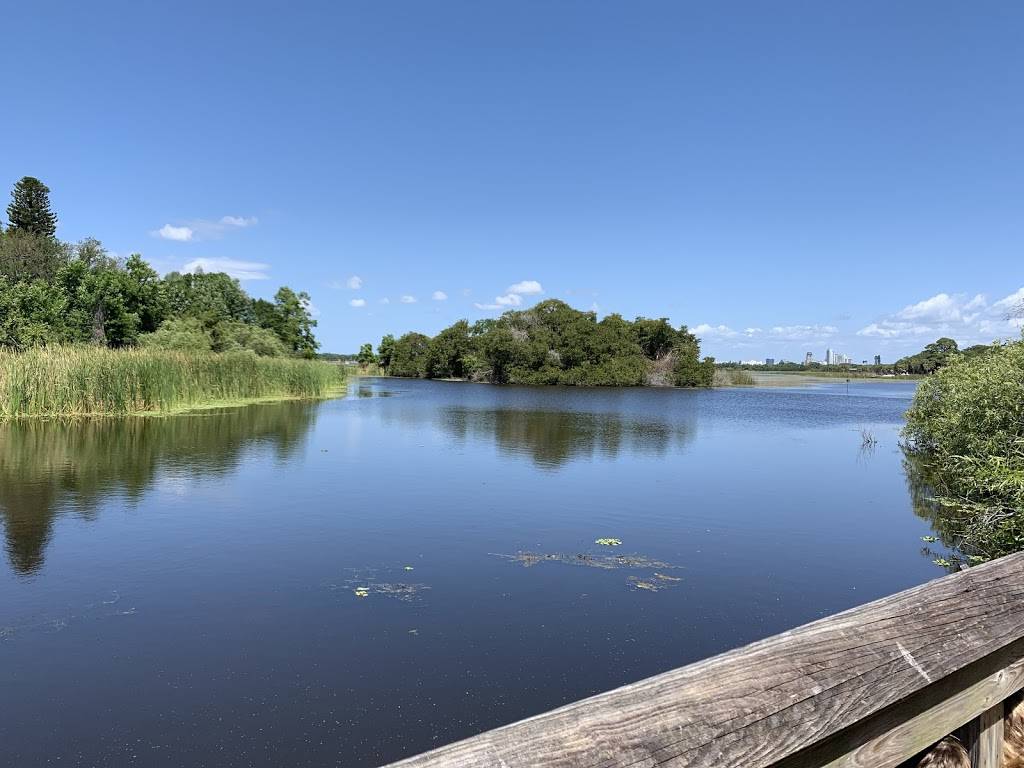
(965, 434)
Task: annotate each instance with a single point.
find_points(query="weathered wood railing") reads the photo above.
(869, 687)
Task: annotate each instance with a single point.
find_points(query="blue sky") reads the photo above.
(780, 176)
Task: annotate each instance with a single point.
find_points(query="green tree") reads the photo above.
(31, 314)
(366, 356)
(27, 256)
(235, 336)
(296, 323)
(446, 357)
(29, 210)
(410, 355)
(179, 333)
(655, 337)
(385, 351)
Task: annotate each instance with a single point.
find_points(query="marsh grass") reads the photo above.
(728, 377)
(94, 381)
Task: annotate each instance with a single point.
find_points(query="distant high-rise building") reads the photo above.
(808, 358)
(878, 359)
(769, 361)
(836, 358)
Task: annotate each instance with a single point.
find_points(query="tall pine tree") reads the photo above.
(29, 210)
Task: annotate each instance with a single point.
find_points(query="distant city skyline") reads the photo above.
(856, 187)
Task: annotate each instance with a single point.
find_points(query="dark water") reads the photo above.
(183, 591)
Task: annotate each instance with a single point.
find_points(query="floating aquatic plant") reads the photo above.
(608, 542)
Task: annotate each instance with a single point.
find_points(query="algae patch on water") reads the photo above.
(655, 583)
(609, 542)
(364, 583)
(587, 560)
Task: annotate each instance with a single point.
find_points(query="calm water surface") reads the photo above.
(345, 583)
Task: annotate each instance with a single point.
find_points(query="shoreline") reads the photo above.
(205, 405)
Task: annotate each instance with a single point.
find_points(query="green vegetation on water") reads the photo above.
(551, 343)
(965, 440)
(82, 381)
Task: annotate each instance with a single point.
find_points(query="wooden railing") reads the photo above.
(869, 687)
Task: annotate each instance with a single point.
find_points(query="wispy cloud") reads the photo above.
(799, 332)
(385, 300)
(203, 229)
(357, 303)
(960, 315)
(439, 296)
(243, 270)
(354, 283)
(238, 222)
(407, 299)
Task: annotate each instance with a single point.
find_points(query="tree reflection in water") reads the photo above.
(49, 468)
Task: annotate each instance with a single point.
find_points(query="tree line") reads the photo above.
(53, 292)
(550, 343)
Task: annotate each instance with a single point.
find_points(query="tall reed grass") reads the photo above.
(82, 381)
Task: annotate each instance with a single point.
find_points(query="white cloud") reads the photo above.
(169, 232)
(509, 300)
(243, 270)
(525, 288)
(354, 283)
(1010, 304)
(241, 222)
(964, 317)
(204, 229)
(385, 300)
(803, 332)
(407, 299)
(439, 296)
(489, 307)
(358, 302)
(723, 331)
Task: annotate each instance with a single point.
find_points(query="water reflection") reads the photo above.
(948, 526)
(52, 468)
(553, 439)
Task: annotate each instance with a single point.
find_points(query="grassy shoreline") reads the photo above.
(87, 382)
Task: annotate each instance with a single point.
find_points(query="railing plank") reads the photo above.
(761, 704)
(902, 731)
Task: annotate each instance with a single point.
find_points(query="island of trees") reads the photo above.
(65, 307)
(550, 343)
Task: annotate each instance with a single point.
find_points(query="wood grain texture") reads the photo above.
(905, 729)
(768, 702)
(987, 751)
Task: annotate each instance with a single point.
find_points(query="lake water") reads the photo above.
(354, 581)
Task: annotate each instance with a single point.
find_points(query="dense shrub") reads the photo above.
(965, 435)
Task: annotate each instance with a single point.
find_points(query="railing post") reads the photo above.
(985, 735)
